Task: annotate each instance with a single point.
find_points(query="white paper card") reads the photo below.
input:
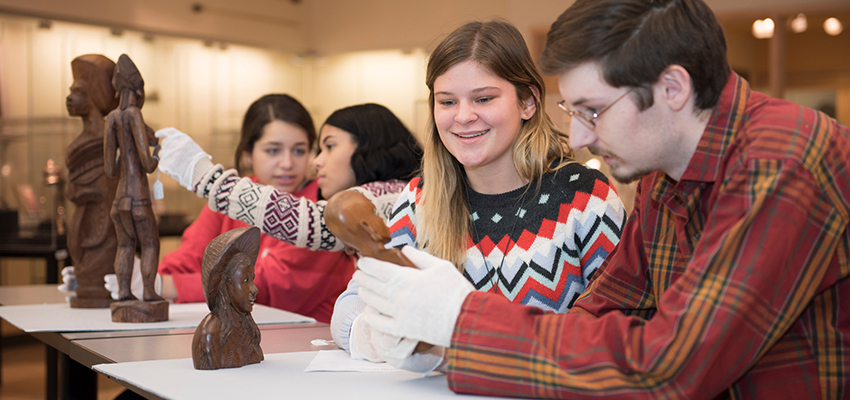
(63, 318)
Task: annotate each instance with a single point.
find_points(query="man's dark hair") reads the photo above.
(635, 40)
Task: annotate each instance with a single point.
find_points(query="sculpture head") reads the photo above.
(227, 271)
(128, 78)
(92, 88)
(351, 217)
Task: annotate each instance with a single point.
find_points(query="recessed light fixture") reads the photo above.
(832, 26)
(763, 28)
(799, 24)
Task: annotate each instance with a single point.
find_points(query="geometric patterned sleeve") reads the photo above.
(295, 220)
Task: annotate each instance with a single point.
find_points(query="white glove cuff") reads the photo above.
(359, 342)
(425, 362)
(199, 167)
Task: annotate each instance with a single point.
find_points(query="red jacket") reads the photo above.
(288, 277)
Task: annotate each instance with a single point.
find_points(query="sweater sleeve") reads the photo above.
(295, 220)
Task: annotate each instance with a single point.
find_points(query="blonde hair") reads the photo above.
(499, 46)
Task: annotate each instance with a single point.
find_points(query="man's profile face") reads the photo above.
(630, 141)
(78, 102)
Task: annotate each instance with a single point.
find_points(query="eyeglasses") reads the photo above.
(587, 116)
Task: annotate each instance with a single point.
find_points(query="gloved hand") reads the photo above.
(182, 158)
(399, 352)
(136, 285)
(69, 282)
(418, 304)
(360, 341)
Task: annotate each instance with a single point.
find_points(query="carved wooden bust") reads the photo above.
(91, 235)
(351, 217)
(127, 156)
(228, 337)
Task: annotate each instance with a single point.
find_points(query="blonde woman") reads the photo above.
(500, 195)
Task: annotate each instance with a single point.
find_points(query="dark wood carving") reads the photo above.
(351, 217)
(91, 235)
(228, 337)
(127, 156)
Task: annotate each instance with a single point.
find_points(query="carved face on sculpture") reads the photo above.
(92, 88)
(240, 284)
(77, 101)
(227, 270)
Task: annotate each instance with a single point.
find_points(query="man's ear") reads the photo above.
(674, 87)
(529, 105)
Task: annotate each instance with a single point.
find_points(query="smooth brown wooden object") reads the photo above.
(126, 155)
(351, 217)
(228, 337)
(91, 234)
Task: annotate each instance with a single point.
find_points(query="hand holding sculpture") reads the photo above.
(351, 217)
(228, 337)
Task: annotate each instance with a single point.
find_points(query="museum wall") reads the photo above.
(204, 65)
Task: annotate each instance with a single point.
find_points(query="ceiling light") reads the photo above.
(799, 24)
(832, 26)
(763, 28)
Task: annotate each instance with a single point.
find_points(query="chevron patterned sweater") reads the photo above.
(535, 248)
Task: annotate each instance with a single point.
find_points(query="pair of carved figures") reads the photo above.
(108, 165)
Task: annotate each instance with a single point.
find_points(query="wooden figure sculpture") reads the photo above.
(91, 235)
(131, 210)
(351, 217)
(228, 337)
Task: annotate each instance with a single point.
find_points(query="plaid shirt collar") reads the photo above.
(704, 166)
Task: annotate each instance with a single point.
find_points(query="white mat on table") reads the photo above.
(278, 376)
(63, 318)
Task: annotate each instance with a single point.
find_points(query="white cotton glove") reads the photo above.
(399, 351)
(69, 282)
(418, 304)
(137, 287)
(182, 158)
(360, 341)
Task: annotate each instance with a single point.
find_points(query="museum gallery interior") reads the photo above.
(198, 66)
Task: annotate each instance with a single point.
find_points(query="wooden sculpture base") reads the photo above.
(139, 311)
(77, 302)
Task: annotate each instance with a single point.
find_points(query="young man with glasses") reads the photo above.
(731, 277)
